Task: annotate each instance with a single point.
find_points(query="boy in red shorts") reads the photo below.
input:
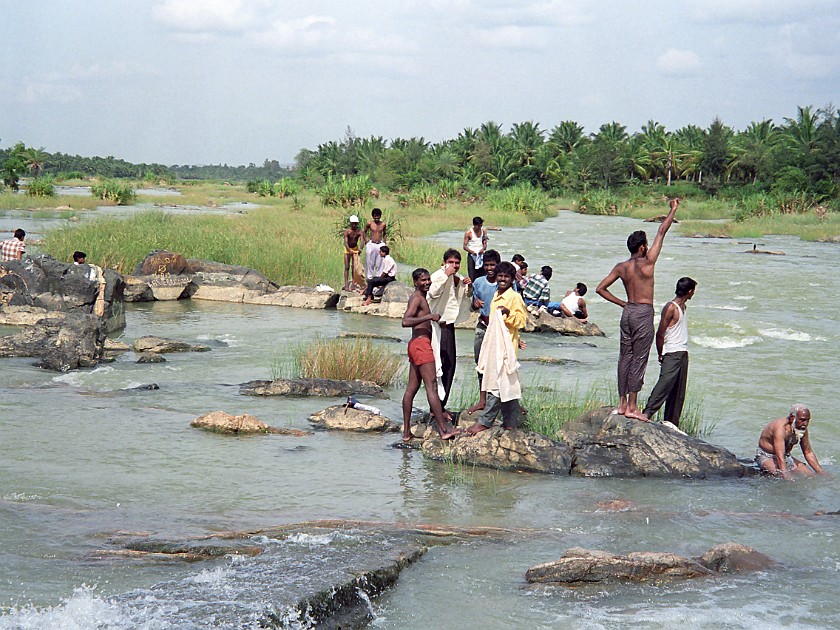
(421, 358)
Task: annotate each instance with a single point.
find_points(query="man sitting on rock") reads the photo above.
(14, 248)
(573, 304)
(537, 291)
(777, 441)
(388, 274)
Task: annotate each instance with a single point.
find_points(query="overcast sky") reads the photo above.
(239, 81)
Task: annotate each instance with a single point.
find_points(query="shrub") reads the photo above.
(348, 360)
(770, 204)
(112, 190)
(598, 202)
(519, 199)
(346, 192)
(40, 187)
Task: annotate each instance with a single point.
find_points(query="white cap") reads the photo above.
(354, 218)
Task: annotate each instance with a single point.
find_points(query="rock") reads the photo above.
(363, 335)
(151, 357)
(562, 325)
(149, 387)
(162, 263)
(393, 303)
(506, 450)
(340, 418)
(549, 360)
(578, 565)
(607, 445)
(311, 387)
(25, 315)
(138, 290)
(659, 218)
(160, 345)
(62, 344)
(221, 422)
(112, 345)
(734, 558)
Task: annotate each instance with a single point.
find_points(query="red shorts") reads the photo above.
(420, 351)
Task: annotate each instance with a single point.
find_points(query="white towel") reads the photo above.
(497, 361)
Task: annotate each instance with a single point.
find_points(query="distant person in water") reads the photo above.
(353, 240)
(777, 441)
(672, 349)
(375, 234)
(388, 274)
(79, 258)
(475, 244)
(14, 248)
(421, 358)
(636, 273)
(573, 304)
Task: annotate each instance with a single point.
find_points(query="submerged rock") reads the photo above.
(341, 418)
(159, 345)
(151, 357)
(562, 325)
(608, 445)
(577, 565)
(327, 388)
(221, 422)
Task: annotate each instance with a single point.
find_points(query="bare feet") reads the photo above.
(447, 431)
(621, 411)
(638, 415)
(476, 407)
(476, 429)
(367, 302)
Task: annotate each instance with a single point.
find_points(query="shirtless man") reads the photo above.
(421, 359)
(778, 439)
(353, 240)
(375, 233)
(636, 273)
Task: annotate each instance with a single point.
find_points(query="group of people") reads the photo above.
(503, 293)
(379, 267)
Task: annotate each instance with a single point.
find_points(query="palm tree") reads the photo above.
(35, 160)
(567, 136)
(753, 147)
(800, 134)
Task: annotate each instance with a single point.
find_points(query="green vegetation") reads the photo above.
(347, 360)
(40, 187)
(121, 193)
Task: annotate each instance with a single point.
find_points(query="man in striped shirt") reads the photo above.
(537, 291)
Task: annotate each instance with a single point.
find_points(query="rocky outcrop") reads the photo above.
(160, 345)
(608, 445)
(221, 422)
(547, 323)
(60, 344)
(392, 304)
(577, 566)
(502, 449)
(325, 387)
(151, 357)
(166, 275)
(341, 418)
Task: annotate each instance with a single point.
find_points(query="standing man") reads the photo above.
(389, 274)
(421, 359)
(13, 248)
(777, 441)
(375, 233)
(636, 273)
(672, 348)
(448, 297)
(537, 291)
(475, 244)
(353, 240)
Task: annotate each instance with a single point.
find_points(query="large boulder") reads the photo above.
(735, 558)
(609, 445)
(324, 387)
(578, 565)
(159, 345)
(393, 303)
(245, 424)
(61, 343)
(562, 326)
(341, 418)
(502, 449)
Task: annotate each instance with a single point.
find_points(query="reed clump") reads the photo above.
(348, 360)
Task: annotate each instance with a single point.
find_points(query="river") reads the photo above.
(82, 456)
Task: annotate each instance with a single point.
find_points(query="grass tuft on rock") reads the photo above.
(348, 360)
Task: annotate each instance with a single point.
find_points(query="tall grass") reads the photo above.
(808, 227)
(119, 192)
(14, 201)
(348, 360)
(520, 199)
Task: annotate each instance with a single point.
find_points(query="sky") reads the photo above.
(241, 81)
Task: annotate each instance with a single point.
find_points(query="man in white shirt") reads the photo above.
(450, 297)
(388, 274)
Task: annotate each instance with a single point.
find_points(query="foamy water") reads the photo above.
(787, 334)
(724, 343)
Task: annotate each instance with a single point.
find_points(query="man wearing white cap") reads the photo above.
(354, 240)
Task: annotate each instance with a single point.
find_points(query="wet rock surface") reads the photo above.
(577, 566)
(547, 323)
(311, 387)
(160, 345)
(60, 344)
(245, 424)
(341, 418)
(607, 445)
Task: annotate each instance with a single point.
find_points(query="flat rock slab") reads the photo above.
(547, 323)
(502, 449)
(363, 335)
(245, 424)
(608, 445)
(324, 387)
(340, 418)
(161, 345)
(577, 566)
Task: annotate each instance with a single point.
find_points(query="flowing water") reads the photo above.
(82, 456)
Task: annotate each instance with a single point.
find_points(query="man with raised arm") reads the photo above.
(777, 441)
(421, 359)
(636, 274)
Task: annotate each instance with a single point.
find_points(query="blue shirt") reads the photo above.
(484, 290)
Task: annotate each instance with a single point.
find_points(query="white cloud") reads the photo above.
(753, 11)
(49, 92)
(208, 15)
(675, 62)
(309, 32)
(511, 37)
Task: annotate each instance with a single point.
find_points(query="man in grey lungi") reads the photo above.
(636, 273)
(672, 348)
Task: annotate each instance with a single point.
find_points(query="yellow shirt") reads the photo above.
(517, 317)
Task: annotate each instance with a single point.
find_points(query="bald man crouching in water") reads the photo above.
(636, 273)
(777, 441)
